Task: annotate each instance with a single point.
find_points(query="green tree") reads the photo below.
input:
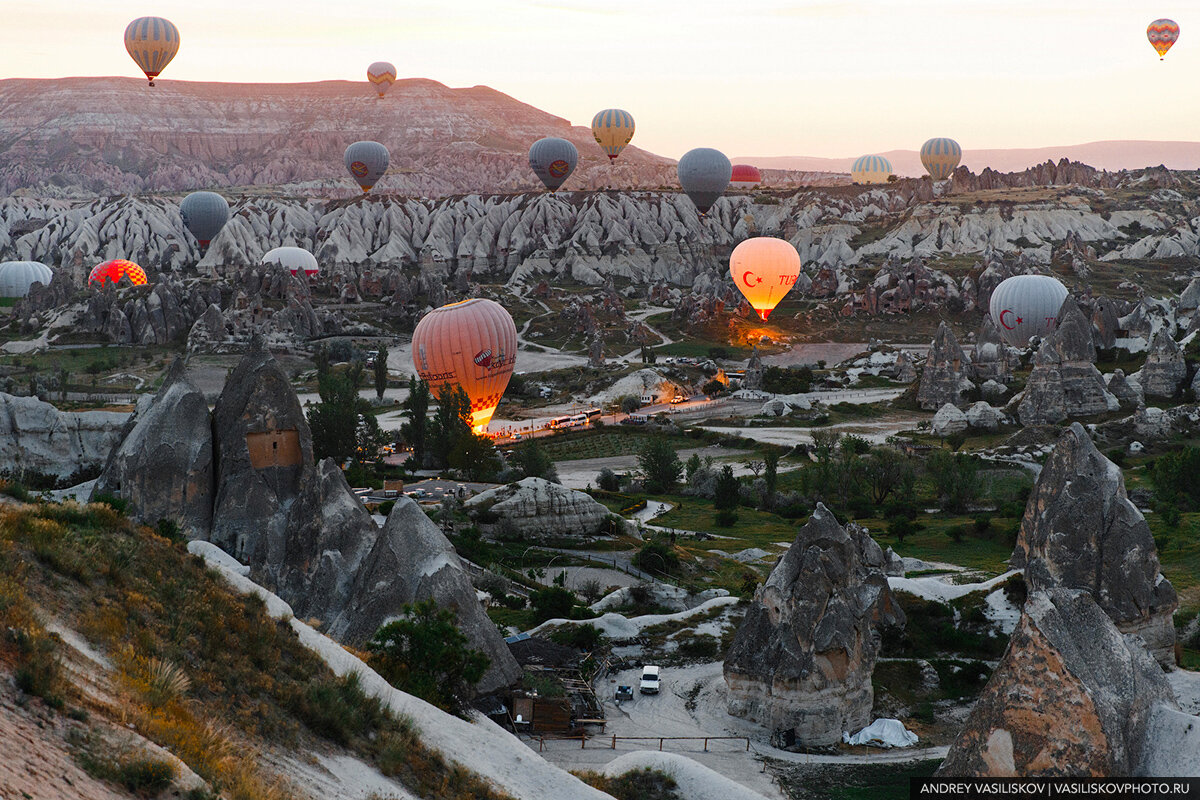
(770, 477)
(728, 492)
(713, 388)
(416, 429)
(955, 478)
(335, 419)
(534, 462)
(381, 371)
(692, 467)
(630, 404)
(885, 470)
(660, 465)
(425, 654)
(658, 557)
(474, 456)
(553, 602)
(608, 480)
(451, 423)
(321, 359)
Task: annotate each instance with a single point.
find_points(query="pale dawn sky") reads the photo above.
(761, 77)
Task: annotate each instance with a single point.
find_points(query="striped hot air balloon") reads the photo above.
(381, 75)
(1162, 33)
(472, 344)
(113, 271)
(613, 128)
(152, 42)
(17, 277)
(871, 169)
(941, 157)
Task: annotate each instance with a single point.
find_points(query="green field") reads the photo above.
(606, 443)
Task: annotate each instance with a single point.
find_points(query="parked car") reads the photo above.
(649, 683)
(624, 693)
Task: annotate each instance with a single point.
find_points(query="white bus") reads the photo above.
(573, 421)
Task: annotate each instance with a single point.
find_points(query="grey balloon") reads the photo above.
(1024, 306)
(553, 160)
(704, 174)
(366, 162)
(204, 214)
(16, 277)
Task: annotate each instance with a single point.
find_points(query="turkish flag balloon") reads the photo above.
(472, 344)
(764, 270)
(1024, 306)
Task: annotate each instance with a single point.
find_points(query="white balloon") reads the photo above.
(1024, 306)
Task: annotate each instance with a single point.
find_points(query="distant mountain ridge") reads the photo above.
(76, 136)
(1105, 155)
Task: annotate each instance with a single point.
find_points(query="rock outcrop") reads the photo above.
(538, 508)
(1071, 697)
(163, 467)
(1127, 392)
(1081, 531)
(802, 659)
(1064, 382)
(1165, 369)
(412, 561)
(945, 377)
(982, 417)
(263, 445)
(948, 419)
(37, 437)
(990, 359)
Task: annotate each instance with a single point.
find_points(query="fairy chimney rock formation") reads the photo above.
(1080, 531)
(1064, 382)
(801, 662)
(944, 379)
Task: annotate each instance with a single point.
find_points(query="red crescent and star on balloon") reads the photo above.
(1005, 324)
(747, 275)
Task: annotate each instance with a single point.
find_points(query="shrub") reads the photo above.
(513, 601)
(901, 527)
(608, 480)
(726, 518)
(118, 504)
(656, 557)
(982, 523)
(338, 709)
(638, 784)
(385, 507)
(581, 637)
(702, 647)
(146, 777)
(957, 533)
(553, 602)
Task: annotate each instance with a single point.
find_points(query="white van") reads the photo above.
(649, 683)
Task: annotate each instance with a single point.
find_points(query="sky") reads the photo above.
(751, 78)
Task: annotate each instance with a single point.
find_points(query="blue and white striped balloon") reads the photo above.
(941, 157)
(871, 169)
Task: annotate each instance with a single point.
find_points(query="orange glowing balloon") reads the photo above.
(764, 270)
(472, 344)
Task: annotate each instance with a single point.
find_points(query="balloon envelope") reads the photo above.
(764, 269)
(472, 344)
(1162, 33)
(613, 128)
(941, 157)
(704, 174)
(204, 214)
(871, 169)
(745, 176)
(16, 277)
(366, 162)
(152, 42)
(1026, 305)
(382, 75)
(293, 258)
(113, 271)
(553, 160)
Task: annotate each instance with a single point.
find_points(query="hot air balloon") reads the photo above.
(745, 176)
(204, 214)
(871, 169)
(940, 157)
(553, 160)
(613, 128)
(1162, 33)
(16, 277)
(294, 258)
(1026, 305)
(382, 75)
(704, 174)
(367, 162)
(113, 271)
(472, 344)
(764, 269)
(152, 42)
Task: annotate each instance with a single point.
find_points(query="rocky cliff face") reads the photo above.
(801, 662)
(1165, 369)
(537, 508)
(945, 377)
(164, 465)
(1064, 382)
(1081, 531)
(36, 436)
(1071, 697)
